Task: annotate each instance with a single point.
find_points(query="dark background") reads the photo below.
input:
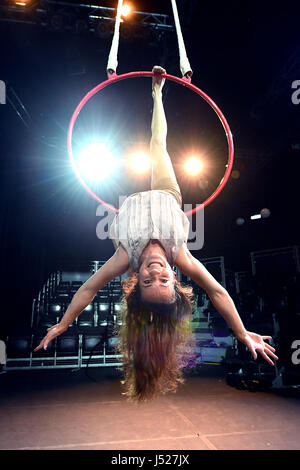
(245, 56)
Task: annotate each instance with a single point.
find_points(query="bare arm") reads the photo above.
(115, 266)
(118, 264)
(219, 296)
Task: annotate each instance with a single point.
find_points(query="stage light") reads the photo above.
(96, 162)
(140, 162)
(265, 213)
(193, 165)
(24, 3)
(240, 221)
(126, 9)
(256, 216)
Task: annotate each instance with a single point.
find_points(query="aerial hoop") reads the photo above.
(182, 81)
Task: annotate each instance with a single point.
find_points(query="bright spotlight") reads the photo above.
(96, 162)
(23, 3)
(193, 165)
(140, 162)
(126, 9)
(255, 216)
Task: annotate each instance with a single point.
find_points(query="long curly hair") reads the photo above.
(154, 340)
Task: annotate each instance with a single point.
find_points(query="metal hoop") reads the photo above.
(182, 81)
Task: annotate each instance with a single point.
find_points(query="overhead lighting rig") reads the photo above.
(80, 17)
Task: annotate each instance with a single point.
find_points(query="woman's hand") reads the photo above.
(54, 331)
(255, 342)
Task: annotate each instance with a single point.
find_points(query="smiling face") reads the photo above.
(156, 277)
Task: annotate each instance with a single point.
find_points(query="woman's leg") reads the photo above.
(163, 176)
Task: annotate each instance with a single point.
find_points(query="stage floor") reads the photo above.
(61, 409)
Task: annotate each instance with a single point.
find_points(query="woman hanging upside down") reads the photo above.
(150, 236)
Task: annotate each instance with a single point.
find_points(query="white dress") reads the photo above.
(153, 214)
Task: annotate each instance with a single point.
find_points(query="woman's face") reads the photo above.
(156, 277)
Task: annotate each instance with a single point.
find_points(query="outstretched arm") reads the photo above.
(220, 298)
(118, 264)
(222, 301)
(115, 266)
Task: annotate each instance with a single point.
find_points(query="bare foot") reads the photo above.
(158, 81)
